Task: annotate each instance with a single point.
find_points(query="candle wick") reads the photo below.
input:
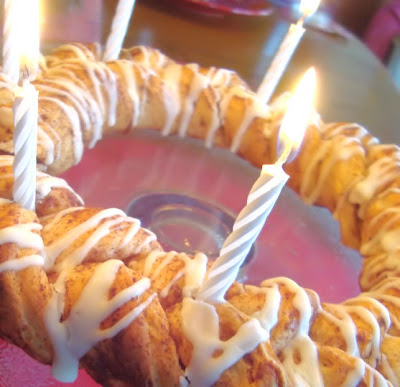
(25, 75)
(287, 149)
(301, 21)
(283, 157)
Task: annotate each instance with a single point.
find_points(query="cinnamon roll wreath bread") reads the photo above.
(88, 287)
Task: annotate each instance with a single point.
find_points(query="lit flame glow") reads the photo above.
(308, 7)
(297, 115)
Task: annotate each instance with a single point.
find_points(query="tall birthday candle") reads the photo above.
(119, 28)
(262, 197)
(25, 107)
(285, 51)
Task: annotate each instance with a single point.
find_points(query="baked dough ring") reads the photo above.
(144, 311)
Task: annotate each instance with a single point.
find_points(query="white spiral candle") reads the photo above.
(246, 228)
(25, 111)
(10, 52)
(280, 62)
(285, 52)
(25, 107)
(119, 28)
(263, 195)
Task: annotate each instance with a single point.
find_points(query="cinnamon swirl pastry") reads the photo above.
(88, 287)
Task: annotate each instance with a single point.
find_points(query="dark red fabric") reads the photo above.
(383, 28)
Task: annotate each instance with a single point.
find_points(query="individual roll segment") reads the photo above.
(347, 338)
(173, 275)
(388, 293)
(357, 327)
(338, 368)
(390, 364)
(24, 287)
(349, 129)
(73, 50)
(113, 325)
(77, 235)
(220, 346)
(53, 194)
(283, 308)
(148, 57)
(377, 268)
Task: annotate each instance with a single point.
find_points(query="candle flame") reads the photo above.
(28, 37)
(308, 7)
(294, 123)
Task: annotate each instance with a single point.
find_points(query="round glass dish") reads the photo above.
(299, 242)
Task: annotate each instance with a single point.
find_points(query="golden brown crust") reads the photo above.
(333, 169)
(24, 293)
(143, 352)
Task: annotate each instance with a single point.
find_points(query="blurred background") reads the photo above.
(374, 22)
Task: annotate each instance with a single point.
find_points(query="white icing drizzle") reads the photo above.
(198, 84)
(73, 118)
(45, 183)
(145, 74)
(22, 263)
(378, 267)
(194, 270)
(306, 371)
(386, 236)
(253, 109)
(102, 227)
(383, 312)
(23, 235)
(107, 78)
(83, 102)
(370, 319)
(380, 173)
(101, 78)
(148, 56)
(347, 328)
(376, 379)
(45, 141)
(355, 376)
(268, 315)
(345, 148)
(76, 335)
(56, 218)
(220, 77)
(75, 99)
(200, 324)
(382, 293)
(79, 50)
(388, 371)
(79, 91)
(335, 129)
(171, 76)
(126, 68)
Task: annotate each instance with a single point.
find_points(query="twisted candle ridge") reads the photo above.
(25, 132)
(118, 29)
(246, 229)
